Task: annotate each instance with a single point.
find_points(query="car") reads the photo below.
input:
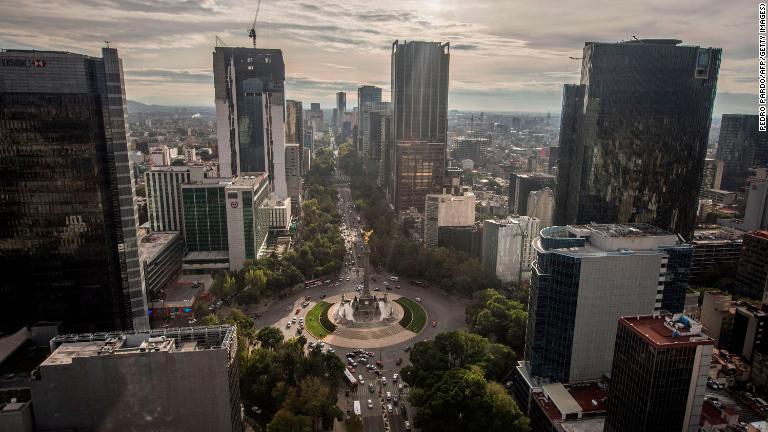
(330, 350)
(434, 323)
(299, 330)
(399, 361)
(293, 320)
(288, 325)
(308, 298)
(398, 287)
(348, 279)
(351, 369)
(377, 371)
(350, 355)
(389, 408)
(352, 363)
(310, 344)
(360, 378)
(407, 425)
(370, 404)
(386, 284)
(192, 321)
(373, 279)
(370, 367)
(418, 299)
(395, 399)
(370, 387)
(384, 382)
(407, 348)
(363, 360)
(394, 377)
(301, 319)
(378, 289)
(379, 363)
(305, 304)
(369, 353)
(297, 311)
(400, 388)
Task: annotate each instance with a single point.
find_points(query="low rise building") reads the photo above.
(161, 255)
(578, 407)
(717, 312)
(172, 379)
(718, 196)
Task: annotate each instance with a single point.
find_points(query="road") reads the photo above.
(445, 312)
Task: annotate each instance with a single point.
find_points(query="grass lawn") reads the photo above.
(418, 315)
(313, 323)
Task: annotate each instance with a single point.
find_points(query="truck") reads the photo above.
(356, 408)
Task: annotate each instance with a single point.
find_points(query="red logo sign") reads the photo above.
(38, 63)
(234, 204)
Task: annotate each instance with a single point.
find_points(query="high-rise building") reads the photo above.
(161, 254)
(224, 219)
(541, 205)
(68, 221)
(507, 250)
(341, 109)
(752, 274)
(294, 126)
(444, 210)
(521, 185)
(713, 174)
(740, 146)
(293, 156)
(659, 375)
(163, 185)
(713, 249)
(420, 120)
(598, 273)
(636, 98)
(366, 96)
(749, 333)
(306, 160)
(476, 147)
(468, 239)
(250, 113)
(756, 211)
(309, 139)
(151, 380)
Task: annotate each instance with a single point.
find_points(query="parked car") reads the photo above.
(370, 404)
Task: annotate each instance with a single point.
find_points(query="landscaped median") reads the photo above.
(317, 322)
(414, 316)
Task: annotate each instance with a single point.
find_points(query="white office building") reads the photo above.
(507, 249)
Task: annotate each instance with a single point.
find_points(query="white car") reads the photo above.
(389, 408)
(370, 404)
(288, 325)
(407, 425)
(394, 377)
(360, 378)
(389, 396)
(418, 299)
(384, 382)
(293, 320)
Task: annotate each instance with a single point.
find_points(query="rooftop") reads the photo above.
(667, 331)
(152, 244)
(70, 347)
(624, 230)
(249, 179)
(586, 399)
(716, 234)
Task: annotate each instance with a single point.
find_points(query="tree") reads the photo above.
(269, 337)
(211, 320)
(354, 424)
(287, 421)
(499, 318)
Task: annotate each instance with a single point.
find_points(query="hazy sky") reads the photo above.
(506, 55)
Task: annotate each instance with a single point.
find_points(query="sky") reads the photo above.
(506, 55)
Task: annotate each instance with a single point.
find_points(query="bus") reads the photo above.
(312, 283)
(351, 380)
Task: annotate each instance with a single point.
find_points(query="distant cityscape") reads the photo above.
(271, 264)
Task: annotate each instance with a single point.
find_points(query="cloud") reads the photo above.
(506, 55)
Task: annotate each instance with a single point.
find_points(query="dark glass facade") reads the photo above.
(677, 277)
(68, 247)
(740, 146)
(420, 120)
(650, 384)
(205, 218)
(248, 82)
(634, 134)
(752, 274)
(521, 185)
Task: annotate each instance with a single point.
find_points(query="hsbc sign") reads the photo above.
(22, 63)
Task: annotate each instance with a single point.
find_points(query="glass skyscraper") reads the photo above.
(68, 246)
(634, 134)
(740, 146)
(250, 113)
(420, 120)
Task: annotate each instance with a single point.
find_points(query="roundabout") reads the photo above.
(334, 321)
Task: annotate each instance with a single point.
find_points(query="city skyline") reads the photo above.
(518, 63)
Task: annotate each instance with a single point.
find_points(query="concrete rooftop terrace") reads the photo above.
(653, 328)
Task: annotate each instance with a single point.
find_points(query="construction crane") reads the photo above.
(252, 30)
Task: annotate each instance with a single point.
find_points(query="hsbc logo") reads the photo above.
(23, 63)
